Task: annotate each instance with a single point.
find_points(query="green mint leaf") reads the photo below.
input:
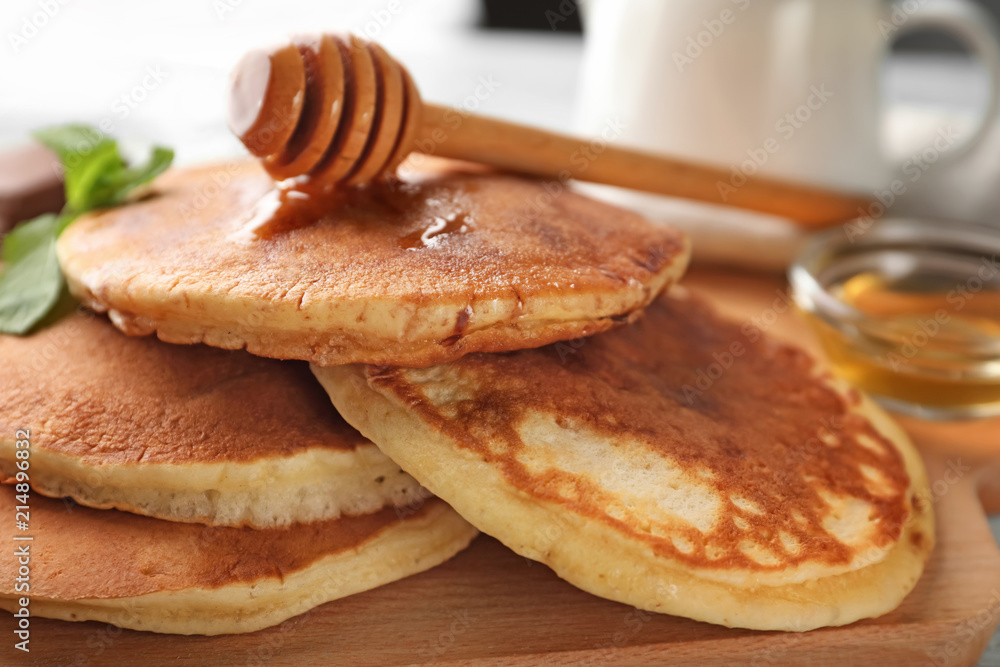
(87, 156)
(96, 176)
(95, 172)
(129, 178)
(87, 180)
(31, 282)
(69, 140)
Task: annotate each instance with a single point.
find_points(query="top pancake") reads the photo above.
(409, 274)
(682, 464)
(184, 433)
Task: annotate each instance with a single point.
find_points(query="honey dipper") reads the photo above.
(333, 110)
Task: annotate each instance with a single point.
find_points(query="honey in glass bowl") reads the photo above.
(909, 312)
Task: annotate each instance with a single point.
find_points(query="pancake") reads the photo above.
(188, 579)
(405, 273)
(184, 433)
(684, 464)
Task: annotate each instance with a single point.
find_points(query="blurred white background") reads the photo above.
(80, 62)
(157, 70)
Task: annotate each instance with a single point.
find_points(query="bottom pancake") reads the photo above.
(685, 464)
(146, 574)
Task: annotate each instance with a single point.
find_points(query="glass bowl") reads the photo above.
(909, 311)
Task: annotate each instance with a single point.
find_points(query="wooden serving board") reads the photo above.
(488, 605)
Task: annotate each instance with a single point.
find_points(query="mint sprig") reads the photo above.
(96, 176)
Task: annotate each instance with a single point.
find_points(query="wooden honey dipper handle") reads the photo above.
(329, 111)
(551, 155)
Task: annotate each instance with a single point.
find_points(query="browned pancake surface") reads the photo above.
(457, 233)
(409, 272)
(767, 433)
(81, 553)
(106, 398)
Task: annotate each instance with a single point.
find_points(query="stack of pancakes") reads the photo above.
(217, 491)
(521, 353)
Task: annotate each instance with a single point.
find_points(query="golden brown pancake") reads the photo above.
(682, 464)
(405, 273)
(146, 574)
(185, 433)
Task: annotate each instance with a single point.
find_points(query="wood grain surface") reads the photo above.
(488, 605)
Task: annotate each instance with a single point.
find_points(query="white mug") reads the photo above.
(786, 88)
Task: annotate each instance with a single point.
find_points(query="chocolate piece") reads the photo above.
(30, 184)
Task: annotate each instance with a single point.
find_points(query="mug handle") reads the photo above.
(974, 27)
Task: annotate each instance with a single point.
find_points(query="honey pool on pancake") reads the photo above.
(288, 207)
